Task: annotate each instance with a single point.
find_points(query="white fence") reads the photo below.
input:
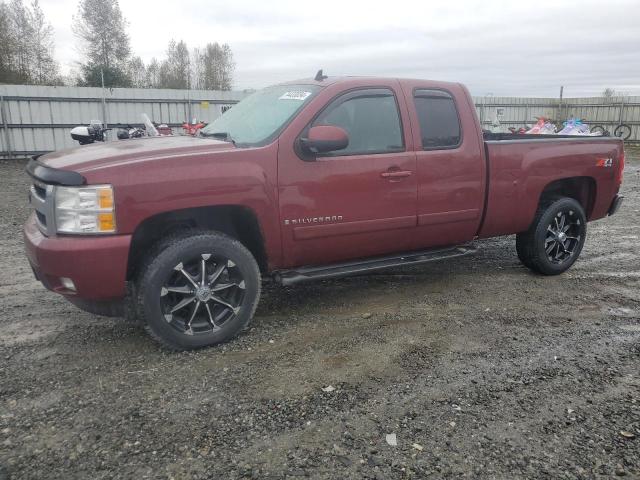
(38, 119)
(519, 111)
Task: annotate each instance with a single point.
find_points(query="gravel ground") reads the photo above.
(480, 369)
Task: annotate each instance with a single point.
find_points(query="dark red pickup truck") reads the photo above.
(305, 180)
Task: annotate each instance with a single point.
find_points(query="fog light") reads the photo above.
(68, 283)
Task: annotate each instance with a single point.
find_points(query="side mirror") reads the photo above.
(325, 138)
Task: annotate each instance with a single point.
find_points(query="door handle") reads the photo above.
(396, 174)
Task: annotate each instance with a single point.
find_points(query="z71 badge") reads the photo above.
(604, 162)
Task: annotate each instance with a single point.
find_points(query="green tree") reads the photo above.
(7, 46)
(216, 69)
(137, 73)
(26, 45)
(91, 76)
(102, 28)
(22, 31)
(175, 69)
(44, 67)
(153, 74)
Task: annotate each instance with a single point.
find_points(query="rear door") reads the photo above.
(450, 166)
(356, 202)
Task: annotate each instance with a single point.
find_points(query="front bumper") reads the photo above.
(97, 265)
(615, 205)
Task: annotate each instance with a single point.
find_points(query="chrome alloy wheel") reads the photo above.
(203, 294)
(563, 235)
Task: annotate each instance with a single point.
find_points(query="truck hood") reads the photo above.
(98, 155)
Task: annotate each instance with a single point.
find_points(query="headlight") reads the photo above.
(85, 209)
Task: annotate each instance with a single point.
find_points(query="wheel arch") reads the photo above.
(583, 189)
(237, 221)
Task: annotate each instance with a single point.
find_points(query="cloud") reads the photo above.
(507, 48)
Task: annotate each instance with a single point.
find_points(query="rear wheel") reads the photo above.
(198, 290)
(555, 239)
(623, 131)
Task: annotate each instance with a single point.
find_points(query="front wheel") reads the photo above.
(198, 290)
(555, 239)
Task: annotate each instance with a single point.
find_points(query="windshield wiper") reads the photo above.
(221, 135)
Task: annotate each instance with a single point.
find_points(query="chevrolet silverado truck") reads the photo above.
(306, 180)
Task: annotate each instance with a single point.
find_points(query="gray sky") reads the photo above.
(519, 47)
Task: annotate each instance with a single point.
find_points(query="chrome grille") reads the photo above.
(41, 199)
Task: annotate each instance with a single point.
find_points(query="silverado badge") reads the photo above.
(308, 220)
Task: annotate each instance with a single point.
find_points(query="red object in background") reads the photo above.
(164, 129)
(193, 128)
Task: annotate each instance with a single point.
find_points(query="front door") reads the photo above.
(357, 202)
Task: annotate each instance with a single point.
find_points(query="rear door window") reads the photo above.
(438, 117)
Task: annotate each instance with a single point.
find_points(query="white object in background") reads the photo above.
(151, 130)
(84, 131)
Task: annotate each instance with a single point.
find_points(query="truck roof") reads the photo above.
(358, 81)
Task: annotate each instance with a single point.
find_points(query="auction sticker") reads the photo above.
(299, 95)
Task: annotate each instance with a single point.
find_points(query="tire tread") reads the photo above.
(526, 245)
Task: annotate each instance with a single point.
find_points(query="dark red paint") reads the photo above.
(344, 207)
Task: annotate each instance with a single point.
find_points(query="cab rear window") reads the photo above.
(439, 120)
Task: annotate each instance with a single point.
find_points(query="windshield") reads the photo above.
(261, 116)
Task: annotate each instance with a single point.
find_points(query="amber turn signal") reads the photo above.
(105, 198)
(106, 222)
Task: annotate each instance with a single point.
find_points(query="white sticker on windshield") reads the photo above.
(299, 95)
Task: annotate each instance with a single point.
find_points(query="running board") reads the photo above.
(307, 274)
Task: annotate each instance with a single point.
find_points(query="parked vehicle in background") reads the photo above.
(194, 127)
(621, 131)
(163, 129)
(574, 126)
(304, 181)
(542, 127)
(131, 132)
(94, 132)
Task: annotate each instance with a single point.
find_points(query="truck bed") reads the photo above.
(520, 167)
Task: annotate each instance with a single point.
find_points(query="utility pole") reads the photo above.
(189, 120)
(5, 127)
(104, 102)
(560, 107)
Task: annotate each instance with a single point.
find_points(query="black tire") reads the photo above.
(622, 131)
(522, 256)
(555, 239)
(212, 311)
(599, 129)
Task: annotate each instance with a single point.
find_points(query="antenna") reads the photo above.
(319, 76)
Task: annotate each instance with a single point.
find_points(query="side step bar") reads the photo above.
(307, 274)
